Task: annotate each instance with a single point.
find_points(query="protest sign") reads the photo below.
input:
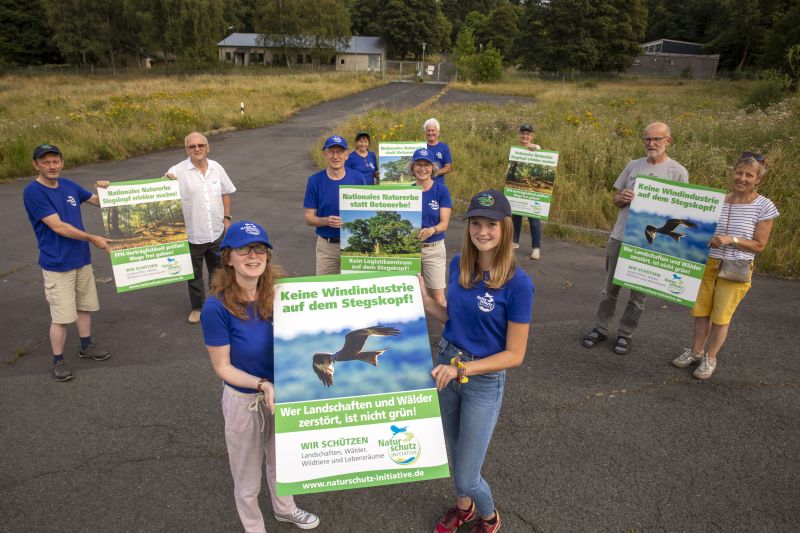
(144, 220)
(529, 181)
(355, 404)
(665, 246)
(393, 160)
(381, 228)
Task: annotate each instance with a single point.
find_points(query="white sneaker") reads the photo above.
(194, 316)
(536, 254)
(300, 518)
(515, 245)
(686, 358)
(706, 368)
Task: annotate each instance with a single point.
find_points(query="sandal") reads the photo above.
(593, 338)
(623, 345)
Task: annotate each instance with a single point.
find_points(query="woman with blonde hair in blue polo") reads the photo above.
(487, 317)
(743, 231)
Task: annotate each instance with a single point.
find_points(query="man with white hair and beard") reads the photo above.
(656, 138)
(205, 190)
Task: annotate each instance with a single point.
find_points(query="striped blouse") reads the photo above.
(739, 220)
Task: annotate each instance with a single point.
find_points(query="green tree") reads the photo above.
(488, 65)
(364, 17)
(386, 232)
(501, 30)
(738, 33)
(464, 52)
(395, 171)
(25, 37)
(408, 23)
(620, 30)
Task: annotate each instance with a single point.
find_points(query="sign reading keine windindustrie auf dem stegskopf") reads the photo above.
(144, 220)
(355, 404)
(665, 247)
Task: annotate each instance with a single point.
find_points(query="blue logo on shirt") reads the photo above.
(71, 201)
(486, 302)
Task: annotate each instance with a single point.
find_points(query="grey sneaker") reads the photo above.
(300, 518)
(93, 352)
(706, 368)
(686, 358)
(62, 372)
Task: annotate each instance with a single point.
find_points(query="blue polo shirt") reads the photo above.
(433, 199)
(322, 194)
(251, 340)
(366, 165)
(478, 317)
(57, 253)
(442, 154)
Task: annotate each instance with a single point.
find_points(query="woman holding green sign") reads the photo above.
(436, 208)
(526, 141)
(487, 317)
(237, 327)
(743, 231)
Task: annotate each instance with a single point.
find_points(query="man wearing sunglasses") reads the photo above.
(656, 138)
(206, 197)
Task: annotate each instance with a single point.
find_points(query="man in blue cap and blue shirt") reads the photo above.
(54, 210)
(321, 203)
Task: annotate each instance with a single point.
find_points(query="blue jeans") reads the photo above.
(535, 226)
(469, 414)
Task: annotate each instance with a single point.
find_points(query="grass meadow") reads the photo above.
(596, 126)
(100, 118)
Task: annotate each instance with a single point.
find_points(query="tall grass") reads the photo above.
(596, 129)
(95, 119)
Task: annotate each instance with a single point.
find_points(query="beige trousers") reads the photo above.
(328, 257)
(248, 447)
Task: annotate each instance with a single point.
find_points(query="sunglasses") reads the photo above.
(195, 146)
(259, 249)
(752, 155)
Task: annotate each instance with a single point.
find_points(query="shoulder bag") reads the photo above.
(739, 270)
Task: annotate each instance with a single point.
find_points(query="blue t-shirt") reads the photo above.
(366, 165)
(442, 154)
(433, 199)
(478, 317)
(57, 253)
(251, 341)
(322, 194)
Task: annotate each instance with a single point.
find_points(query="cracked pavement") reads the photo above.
(587, 440)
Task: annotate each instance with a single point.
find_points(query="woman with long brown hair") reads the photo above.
(237, 326)
(487, 317)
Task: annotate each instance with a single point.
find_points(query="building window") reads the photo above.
(227, 56)
(341, 61)
(672, 62)
(308, 59)
(299, 59)
(256, 58)
(637, 62)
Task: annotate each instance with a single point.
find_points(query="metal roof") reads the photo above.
(359, 44)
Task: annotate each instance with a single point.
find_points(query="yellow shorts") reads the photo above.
(69, 292)
(718, 298)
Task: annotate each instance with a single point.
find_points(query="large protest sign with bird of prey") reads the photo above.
(355, 404)
(665, 246)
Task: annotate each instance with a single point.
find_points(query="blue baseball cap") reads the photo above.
(241, 233)
(489, 204)
(335, 140)
(423, 154)
(43, 149)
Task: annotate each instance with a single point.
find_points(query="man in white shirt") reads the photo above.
(656, 138)
(206, 197)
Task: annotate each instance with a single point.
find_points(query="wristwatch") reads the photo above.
(227, 217)
(736, 241)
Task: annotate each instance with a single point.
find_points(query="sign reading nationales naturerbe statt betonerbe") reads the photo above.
(381, 228)
(529, 181)
(665, 246)
(355, 404)
(144, 221)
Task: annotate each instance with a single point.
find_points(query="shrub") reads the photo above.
(764, 94)
(487, 65)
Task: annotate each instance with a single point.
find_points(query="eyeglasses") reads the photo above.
(195, 146)
(657, 140)
(758, 157)
(259, 249)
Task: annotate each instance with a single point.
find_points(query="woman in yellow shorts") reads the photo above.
(743, 231)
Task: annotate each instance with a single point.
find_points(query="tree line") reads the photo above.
(551, 35)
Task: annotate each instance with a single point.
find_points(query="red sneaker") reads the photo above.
(482, 526)
(454, 518)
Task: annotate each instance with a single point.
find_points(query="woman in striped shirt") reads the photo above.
(743, 231)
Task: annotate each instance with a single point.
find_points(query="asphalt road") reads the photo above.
(587, 440)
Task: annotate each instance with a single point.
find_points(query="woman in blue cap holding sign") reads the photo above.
(436, 209)
(237, 327)
(487, 316)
